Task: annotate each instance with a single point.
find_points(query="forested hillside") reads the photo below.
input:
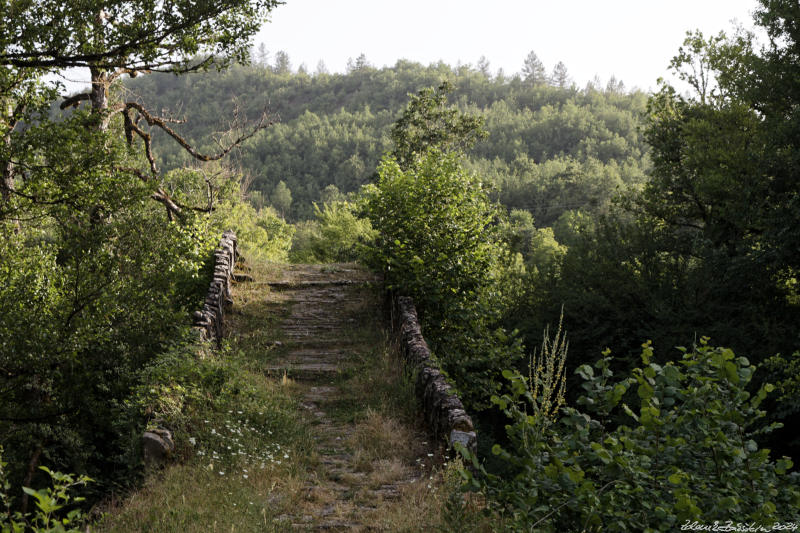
(549, 148)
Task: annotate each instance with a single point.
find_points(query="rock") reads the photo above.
(157, 447)
(468, 439)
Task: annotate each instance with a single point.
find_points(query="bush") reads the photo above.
(687, 453)
(333, 237)
(51, 505)
(441, 244)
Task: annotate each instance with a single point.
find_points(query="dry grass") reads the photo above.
(379, 436)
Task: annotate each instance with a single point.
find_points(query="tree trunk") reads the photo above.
(7, 183)
(99, 97)
(7, 179)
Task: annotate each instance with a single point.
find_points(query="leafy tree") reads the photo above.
(331, 194)
(439, 243)
(436, 228)
(281, 198)
(103, 275)
(704, 246)
(427, 122)
(725, 169)
(112, 38)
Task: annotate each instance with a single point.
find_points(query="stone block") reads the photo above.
(157, 447)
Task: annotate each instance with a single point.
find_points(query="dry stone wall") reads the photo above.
(209, 320)
(443, 411)
(158, 444)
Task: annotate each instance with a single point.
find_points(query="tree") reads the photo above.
(361, 62)
(282, 63)
(724, 184)
(560, 77)
(116, 37)
(86, 261)
(697, 61)
(484, 67)
(427, 123)
(615, 86)
(263, 55)
(533, 69)
(127, 37)
(331, 194)
(281, 198)
(439, 243)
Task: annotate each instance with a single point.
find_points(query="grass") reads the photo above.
(251, 458)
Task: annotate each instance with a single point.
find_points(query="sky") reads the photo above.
(633, 40)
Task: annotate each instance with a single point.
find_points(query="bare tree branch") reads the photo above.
(263, 122)
(74, 100)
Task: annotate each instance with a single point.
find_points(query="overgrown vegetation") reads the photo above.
(686, 453)
(496, 202)
(103, 256)
(696, 249)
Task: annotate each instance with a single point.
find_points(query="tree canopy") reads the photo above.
(97, 279)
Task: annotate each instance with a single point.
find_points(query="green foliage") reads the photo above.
(262, 233)
(785, 372)
(427, 122)
(438, 237)
(440, 244)
(51, 504)
(686, 452)
(335, 235)
(127, 33)
(80, 316)
(179, 383)
(97, 279)
(335, 128)
(706, 244)
(281, 198)
(533, 69)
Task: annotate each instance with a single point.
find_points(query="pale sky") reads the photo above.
(631, 39)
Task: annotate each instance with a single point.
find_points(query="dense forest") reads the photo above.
(607, 278)
(549, 148)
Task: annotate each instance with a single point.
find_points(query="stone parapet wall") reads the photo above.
(209, 320)
(442, 409)
(158, 444)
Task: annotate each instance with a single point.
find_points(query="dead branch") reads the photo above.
(263, 122)
(74, 100)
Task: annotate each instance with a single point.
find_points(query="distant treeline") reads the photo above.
(551, 146)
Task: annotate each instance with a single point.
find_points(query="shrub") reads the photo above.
(51, 504)
(440, 243)
(333, 237)
(685, 454)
